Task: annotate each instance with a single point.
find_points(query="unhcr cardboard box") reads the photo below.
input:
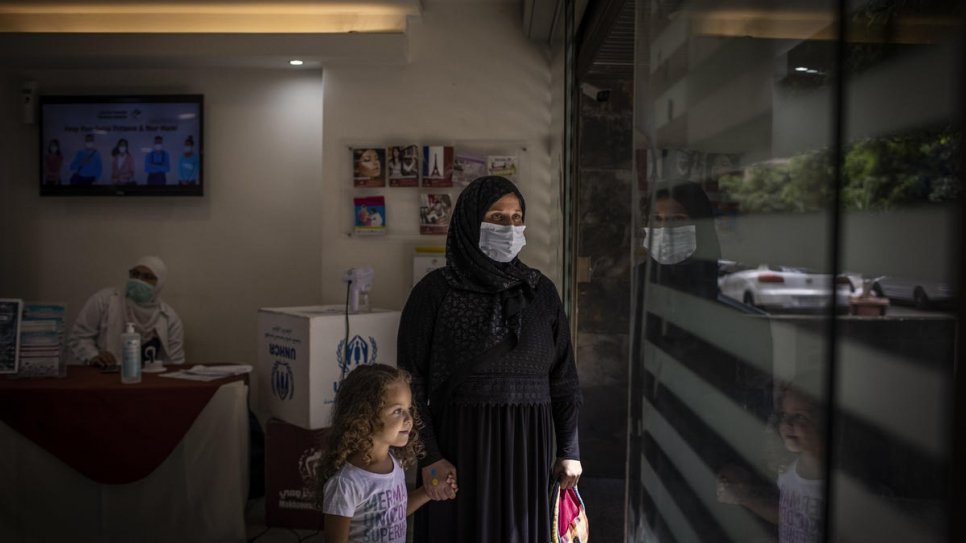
(304, 351)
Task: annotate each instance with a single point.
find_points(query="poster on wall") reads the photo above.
(467, 167)
(370, 215)
(367, 167)
(434, 213)
(403, 166)
(437, 166)
(502, 165)
(97, 145)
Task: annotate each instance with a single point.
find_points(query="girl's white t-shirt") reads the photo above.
(800, 506)
(376, 502)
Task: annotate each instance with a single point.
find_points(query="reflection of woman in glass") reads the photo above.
(122, 164)
(188, 164)
(682, 242)
(157, 163)
(395, 162)
(682, 268)
(52, 163)
(368, 164)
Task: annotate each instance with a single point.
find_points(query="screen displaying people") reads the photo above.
(118, 164)
(119, 142)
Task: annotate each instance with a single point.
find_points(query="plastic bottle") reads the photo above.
(130, 355)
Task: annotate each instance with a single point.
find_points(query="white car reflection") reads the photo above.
(921, 293)
(783, 288)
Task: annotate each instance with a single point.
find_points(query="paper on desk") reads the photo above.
(209, 373)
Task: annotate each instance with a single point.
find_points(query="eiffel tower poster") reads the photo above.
(437, 166)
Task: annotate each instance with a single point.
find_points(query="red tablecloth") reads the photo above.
(111, 432)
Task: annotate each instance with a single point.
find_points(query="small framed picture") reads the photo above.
(368, 167)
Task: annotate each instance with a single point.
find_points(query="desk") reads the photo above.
(197, 492)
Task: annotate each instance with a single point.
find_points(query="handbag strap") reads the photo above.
(444, 392)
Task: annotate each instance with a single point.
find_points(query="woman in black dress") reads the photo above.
(488, 346)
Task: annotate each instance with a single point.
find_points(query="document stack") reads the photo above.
(41, 339)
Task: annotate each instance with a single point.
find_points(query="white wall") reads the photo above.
(271, 228)
(473, 77)
(251, 241)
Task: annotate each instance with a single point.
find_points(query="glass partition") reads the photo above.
(796, 247)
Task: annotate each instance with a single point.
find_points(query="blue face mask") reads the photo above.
(139, 291)
(501, 242)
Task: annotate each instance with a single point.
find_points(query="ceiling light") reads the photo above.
(801, 69)
(296, 62)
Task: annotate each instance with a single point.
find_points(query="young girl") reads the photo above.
(798, 509)
(374, 439)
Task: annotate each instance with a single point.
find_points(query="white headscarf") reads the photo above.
(145, 316)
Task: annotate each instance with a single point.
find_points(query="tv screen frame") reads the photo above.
(173, 121)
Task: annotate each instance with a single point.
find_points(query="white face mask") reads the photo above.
(501, 242)
(671, 245)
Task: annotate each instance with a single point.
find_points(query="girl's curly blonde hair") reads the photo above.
(355, 417)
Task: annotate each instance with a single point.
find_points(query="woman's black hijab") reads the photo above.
(467, 268)
(698, 274)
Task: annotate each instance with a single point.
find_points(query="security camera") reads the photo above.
(601, 95)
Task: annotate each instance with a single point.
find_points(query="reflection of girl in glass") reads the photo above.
(368, 164)
(188, 164)
(122, 164)
(52, 163)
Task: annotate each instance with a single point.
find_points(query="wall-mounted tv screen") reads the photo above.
(121, 145)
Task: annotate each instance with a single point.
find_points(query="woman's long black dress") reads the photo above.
(498, 426)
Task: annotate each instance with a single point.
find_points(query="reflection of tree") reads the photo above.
(878, 173)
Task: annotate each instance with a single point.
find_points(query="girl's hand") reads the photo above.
(436, 480)
(451, 481)
(567, 472)
(733, 485)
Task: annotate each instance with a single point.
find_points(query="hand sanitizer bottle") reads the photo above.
(130, 355)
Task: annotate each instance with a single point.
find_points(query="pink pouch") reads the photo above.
(568, 516)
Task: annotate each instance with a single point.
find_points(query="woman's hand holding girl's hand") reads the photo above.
(439, 479)
(567, 472)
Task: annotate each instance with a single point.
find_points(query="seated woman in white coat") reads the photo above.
(95, 338)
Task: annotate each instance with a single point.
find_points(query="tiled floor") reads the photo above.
(258, 532)
(604, 499)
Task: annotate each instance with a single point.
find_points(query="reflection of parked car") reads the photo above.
(783, 287)
(921, 293)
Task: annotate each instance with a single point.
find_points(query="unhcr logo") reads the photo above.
(356, 353)
(283, 382)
